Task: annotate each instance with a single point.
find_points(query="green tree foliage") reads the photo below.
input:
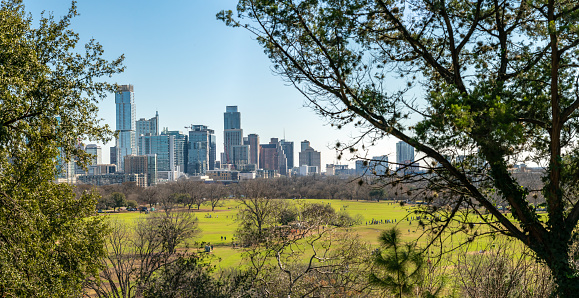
(399, 264)
(118, 199)
(475, 86)
(132, 204)
(49, 240)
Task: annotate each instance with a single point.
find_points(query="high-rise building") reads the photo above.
(97, 153)
(379, 165)
(310, 157)
(253, 140)
(288, 149)
(404, 153)
(361, 167)
(305, 145)
(113, 153)
(212, 151)
(148, 126)
(201, 157)
(231, 118)
(272, 157)
(268, 159)
(232, 133)
(240, 156)
(170, 148)
(142, 164)
(125, 121)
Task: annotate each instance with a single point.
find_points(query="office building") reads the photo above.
(304, 145)
(231, 118)
(142, 164)
(240, 156)
(170, 148)
(272, 157)
(201, 154)
(232, 133)
(148, 126)
(126, 142)
(96, 152)
(310, 157)
(232, 137)
(361, 167)
(113, 153)
(253, 140)
(404, 154)
(113, 178)
(288, 149)
(379, 165)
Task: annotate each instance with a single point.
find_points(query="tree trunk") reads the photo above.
(566, 278)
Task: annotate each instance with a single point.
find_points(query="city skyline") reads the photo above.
(190, 75)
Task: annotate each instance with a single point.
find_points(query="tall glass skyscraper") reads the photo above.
(201, 150)
(232, 134)
(404, 153)
(148, 126)
(170, 148)
(126, 115)
(231, 118)
(288, 149)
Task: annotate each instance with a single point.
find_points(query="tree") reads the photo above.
(401, 263)
(136, 253)
(215, 194)
(50, 238)
(258, 209)
(132, 204)
(150, 195)
(474, 86)
(306, 257)
(118, 199)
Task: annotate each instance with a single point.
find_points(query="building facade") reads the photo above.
(288, 149)
(232, 132)
(253, 140)
(148, 126)
(170, 148)
(404, 154)
(310, 157)
(126, 142)
(379, 165)
(97, 153)
(201, 155)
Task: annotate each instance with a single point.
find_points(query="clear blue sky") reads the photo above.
(189, 66)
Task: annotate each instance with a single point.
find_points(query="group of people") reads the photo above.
(381, 221)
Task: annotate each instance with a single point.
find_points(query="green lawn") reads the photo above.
(221, 223)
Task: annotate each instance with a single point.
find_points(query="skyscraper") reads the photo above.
(304, 145)
(170, 148)
(253, 140)
(232, 133)
(379, 165)
(404, 153)
(96, 151)
(272, 157)
(148, 126)
(200, 152)
(240, 156)
(288, 149)
(310, 157)
(231, 118)
(125, 121)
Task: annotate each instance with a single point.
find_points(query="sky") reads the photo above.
(189, 66)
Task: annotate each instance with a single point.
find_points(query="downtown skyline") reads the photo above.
(188, 66)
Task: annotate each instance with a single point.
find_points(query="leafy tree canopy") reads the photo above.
(475, 86)
(49, 241)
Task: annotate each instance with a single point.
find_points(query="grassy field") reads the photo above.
(220, 223)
